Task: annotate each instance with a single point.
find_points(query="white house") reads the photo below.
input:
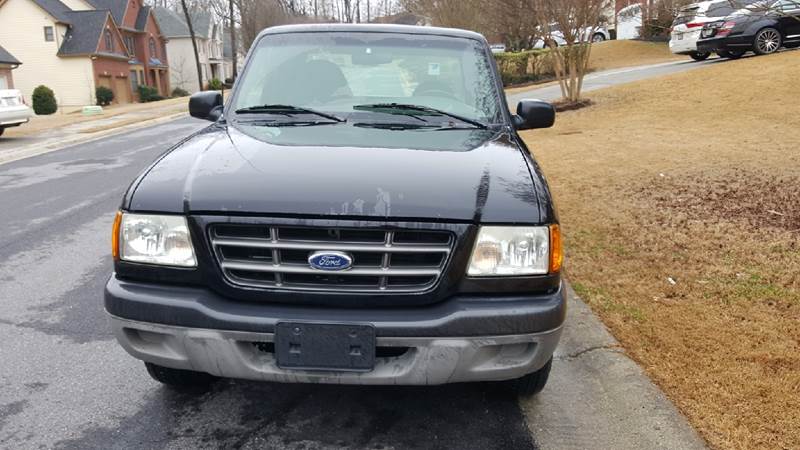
(208, 33)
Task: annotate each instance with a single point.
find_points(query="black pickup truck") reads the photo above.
(362, 210)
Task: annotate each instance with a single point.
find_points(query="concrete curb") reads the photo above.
(597, 397)
(56, 144)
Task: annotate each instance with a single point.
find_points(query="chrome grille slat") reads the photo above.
(251, 258)
(311, 245)
(298, 268)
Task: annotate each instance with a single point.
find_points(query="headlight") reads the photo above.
(513, 251)
(153, 239)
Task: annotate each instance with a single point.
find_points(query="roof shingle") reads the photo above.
(84, 34)
(173, 24)
(7, 58)
(117, 8)
(55, 8)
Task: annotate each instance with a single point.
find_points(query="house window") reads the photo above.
(109, 41)
(131, 44)
(134, 81)
(48, 34)
(153, 48)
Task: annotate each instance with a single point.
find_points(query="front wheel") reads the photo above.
(699, 56)
(532, 383)
(180, 379)
(767, 41)
(598, 37)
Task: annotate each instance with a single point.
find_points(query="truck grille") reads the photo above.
(399, 260)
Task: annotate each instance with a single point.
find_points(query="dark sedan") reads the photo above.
(762, 29)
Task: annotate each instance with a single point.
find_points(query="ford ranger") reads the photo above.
(361, 211)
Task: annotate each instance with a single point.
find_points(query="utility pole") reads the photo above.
(194, 43)
(234, 53)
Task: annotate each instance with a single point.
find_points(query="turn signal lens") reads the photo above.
(115, 235)
(556, 249)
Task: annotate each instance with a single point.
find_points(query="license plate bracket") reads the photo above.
(325, 346)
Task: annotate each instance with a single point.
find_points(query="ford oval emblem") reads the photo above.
(330, 260)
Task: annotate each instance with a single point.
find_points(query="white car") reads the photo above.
(598, 34)
(13, 111)
(689, 23)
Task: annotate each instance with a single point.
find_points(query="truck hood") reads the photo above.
(460, 175)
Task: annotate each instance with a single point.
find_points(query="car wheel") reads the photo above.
(598, 37)
(767, 41)
(532, 383)
(188, 380)
(699, 56)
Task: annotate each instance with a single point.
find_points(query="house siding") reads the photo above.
(183, 72)
(22, 34)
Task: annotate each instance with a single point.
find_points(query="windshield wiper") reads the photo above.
(286, 110)
(418, 108)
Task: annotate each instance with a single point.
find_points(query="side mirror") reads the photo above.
(206, 105)
(534, 114)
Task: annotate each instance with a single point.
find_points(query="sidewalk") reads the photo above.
(44, 134)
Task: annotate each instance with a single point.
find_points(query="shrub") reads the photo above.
(44, 101)
(148, 94)
(104, 95)
(524, 67)
(215, 85)
(179, 92)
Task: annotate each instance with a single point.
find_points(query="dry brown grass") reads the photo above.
(680, 201)
(615, 54)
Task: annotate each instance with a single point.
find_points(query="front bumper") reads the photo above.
(462, 339)
(14, 116)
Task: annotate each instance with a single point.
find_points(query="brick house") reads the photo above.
(73, 46)
(7, 63)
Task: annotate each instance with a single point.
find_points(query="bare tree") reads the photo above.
(576, 20)
(233, 40)
(194, 43)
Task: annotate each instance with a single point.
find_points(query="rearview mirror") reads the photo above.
(206, 105)
(534, 114)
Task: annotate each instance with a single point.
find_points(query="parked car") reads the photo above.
(498, 48)
(357, 213)
(762, 28)
(595, 35)
(13, 110)
(688, 25)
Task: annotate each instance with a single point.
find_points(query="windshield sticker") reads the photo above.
(434, 69)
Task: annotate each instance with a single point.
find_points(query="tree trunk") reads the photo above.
(194, 43)
(234, 53)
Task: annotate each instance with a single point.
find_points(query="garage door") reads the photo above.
(122, 93)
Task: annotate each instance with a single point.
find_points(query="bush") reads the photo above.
(148, 94)
(44, 101)
(179, 92)
(104, 95)
(215, 85)
(524, 67)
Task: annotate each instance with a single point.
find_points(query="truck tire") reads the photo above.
(180, 379)
(532, 383)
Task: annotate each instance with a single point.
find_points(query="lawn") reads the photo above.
(615, 54)
(680, 202)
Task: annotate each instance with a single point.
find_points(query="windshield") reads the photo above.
(351, 74)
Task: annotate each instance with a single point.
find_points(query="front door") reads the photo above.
(3, 81)
(790, 20)
(122, 91)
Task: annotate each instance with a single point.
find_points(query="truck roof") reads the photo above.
(372, 28)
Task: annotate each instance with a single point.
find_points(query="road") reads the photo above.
(66, 384)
